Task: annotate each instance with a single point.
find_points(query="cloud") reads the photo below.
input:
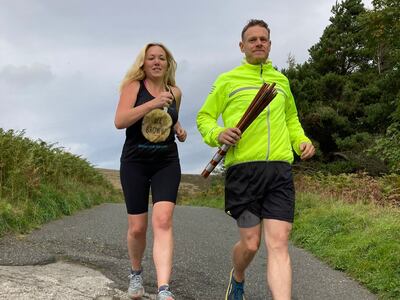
(23, 76)
(63, 61)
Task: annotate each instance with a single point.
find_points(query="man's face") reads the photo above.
(255, 45)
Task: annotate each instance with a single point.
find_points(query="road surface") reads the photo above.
(84, 256)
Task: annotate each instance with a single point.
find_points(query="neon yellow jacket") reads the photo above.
(275, 132)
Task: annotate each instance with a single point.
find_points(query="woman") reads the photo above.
(148, 109)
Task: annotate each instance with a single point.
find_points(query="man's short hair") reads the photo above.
(255, 22)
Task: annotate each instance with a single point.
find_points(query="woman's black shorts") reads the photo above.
(136, 179)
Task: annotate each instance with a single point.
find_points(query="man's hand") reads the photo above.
(230, 136)
(307, 150)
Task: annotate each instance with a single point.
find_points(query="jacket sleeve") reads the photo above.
(209, 113)
(295, 129)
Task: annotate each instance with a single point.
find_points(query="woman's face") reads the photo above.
(155, 62)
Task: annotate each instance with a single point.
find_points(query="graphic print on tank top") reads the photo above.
(156, 124)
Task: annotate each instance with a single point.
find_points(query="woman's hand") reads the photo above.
(163, 100)
(180, 132)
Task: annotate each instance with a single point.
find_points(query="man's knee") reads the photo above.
(277, 235)
(252, 243)
(277, 244)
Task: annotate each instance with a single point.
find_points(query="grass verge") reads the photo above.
(361, 239)
(40, 182)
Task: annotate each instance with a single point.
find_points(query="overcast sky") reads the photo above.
(61, 62)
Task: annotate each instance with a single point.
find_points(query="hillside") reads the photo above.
(40, 182)
(191, 184)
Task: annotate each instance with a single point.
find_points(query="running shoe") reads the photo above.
(135, 289)
(235, 290)
(164, 293)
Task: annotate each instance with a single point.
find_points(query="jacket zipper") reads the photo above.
(268, 117)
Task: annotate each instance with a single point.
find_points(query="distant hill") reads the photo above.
(191, 184)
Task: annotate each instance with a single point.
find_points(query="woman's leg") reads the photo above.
(136, 238)
(163, 240)
(135, 185)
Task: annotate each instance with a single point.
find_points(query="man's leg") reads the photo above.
(279, 272)
(245, 249)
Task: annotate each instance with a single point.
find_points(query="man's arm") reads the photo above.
(209, 113)
(301, 144)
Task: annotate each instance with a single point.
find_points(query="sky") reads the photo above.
(61, 62)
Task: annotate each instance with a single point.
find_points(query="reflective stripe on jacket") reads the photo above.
(274, 133)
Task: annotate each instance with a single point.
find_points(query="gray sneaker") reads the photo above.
(135, 289)
(165, 294)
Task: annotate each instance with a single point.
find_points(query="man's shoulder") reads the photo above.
(277, 76)
(278, 73)
(230, 72)
(225, 77)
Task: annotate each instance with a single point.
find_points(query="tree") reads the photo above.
(291, 61)
(341, 48)
(382, 25)
(348, 92)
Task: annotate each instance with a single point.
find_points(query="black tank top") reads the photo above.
(137, 147)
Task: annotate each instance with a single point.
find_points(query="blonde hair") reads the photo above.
(136, 72)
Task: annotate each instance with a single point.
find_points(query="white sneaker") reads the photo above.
(135, 289)
(165, 294)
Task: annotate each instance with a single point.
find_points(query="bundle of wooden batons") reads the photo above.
(264, 97)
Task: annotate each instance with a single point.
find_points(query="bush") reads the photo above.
(387, 148)
(40, 182)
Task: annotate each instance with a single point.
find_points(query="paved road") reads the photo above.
(95, 238)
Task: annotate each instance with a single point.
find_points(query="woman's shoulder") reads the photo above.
(131, 87)
(176, 91)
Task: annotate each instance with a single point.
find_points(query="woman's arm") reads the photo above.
(179, 130)
(127, 114)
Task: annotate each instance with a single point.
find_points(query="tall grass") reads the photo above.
(40, 182)
(352, 188)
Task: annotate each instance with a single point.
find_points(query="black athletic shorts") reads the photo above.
(265, 189)
(136, 179)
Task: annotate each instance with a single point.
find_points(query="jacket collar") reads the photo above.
(266, 65)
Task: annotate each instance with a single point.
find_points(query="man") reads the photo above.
(259, 190)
